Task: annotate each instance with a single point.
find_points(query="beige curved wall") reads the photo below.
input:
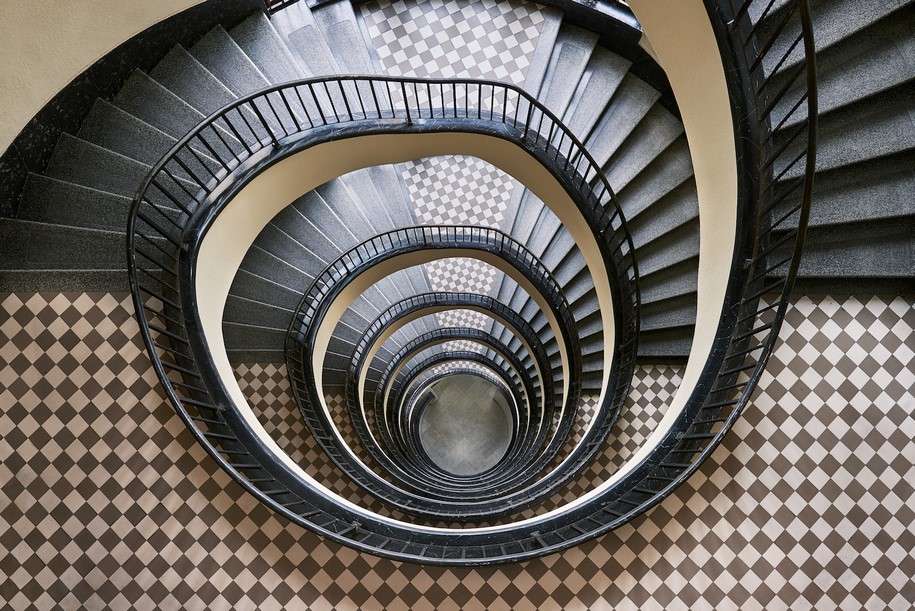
(45, 44)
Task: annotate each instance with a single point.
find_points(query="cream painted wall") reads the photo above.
(45, 44)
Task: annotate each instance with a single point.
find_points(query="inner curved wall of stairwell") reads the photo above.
(107, 501)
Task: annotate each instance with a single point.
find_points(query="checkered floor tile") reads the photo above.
(487, 40)
(457, 190)
(106, 501)
(462, 275)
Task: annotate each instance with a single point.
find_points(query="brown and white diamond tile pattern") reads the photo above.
(106, 500)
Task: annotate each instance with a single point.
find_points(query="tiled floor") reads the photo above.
(486, 40)
(106, 501)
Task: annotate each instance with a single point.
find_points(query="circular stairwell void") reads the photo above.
(465, 425)
(181, 282)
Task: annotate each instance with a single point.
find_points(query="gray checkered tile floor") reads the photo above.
(488, 40)
(106, 501)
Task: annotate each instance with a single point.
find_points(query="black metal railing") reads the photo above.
(186, 190)
(308, 318)
(549, 381)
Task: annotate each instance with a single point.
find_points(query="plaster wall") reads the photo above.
(46, 43)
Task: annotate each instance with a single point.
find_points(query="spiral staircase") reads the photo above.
(260, 173)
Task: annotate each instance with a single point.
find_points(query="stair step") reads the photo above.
(243, 338)
(673, 248)
(875, 60)
(540, 60)
(309, 45)
(669, 171)
(875, 189)
(677, 312)
(676, 209)
(337, 21)
(676, 281)
(285, 272)
(833, 21)
(77, 161)
(602, 76)
(263, 45)
(29, 245)
(115, 129)
(665, 346)
(186, 77)
(629, 105)
(148, 100)
(875, 249)
(654, 134)
(49, 200)
(240, 310)
(226, 61)
(571, 53)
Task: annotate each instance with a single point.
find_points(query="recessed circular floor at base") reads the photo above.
(464, 424)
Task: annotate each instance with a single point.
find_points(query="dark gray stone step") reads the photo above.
(49, 200)
(676, 312)
(185, 76)
(145, 98)
(874, 249)
(341, 201)
(313, 224)
(602, 76)
(571, 53)
(665, 346)
(226, 61)
(389, 183)
(833, 21)
(256, 288)
(285, 272)
(676, 209)
(861, 65)
(337, 22)
(77, 161)
(263, 45)
(115, 129)
(679, 245)
(632, 100)
(29, 245)
(308, 44)
(290, 248)
(676, 281)
(657, 130)
(879, 188)
(240, 310)
(540, 60)
(241, 338)
(260, 357)
(876, 127)
(668, 171)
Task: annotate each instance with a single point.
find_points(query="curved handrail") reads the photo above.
(239, 137)
(308, 318)
(425, 302)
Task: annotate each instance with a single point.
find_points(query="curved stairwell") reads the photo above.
(69, 229)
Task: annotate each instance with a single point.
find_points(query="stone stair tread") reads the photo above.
(183, 74)
(265, 47)
(222, 56)
(81, 162)
(50, 200)
(31, 245)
